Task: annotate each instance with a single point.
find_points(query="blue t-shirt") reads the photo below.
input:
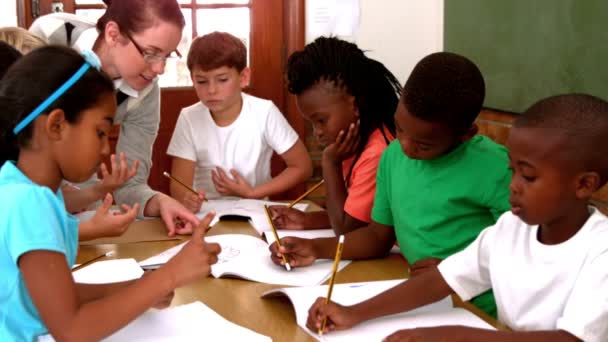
(32, 217)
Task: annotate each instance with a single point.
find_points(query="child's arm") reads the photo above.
(183, 170)
(290, 218)
(54, 293)
(369, 242)
(78, 199)
(332, 159)
(416, 292)
(298, 168)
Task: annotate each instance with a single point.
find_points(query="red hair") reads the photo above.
(215, 50)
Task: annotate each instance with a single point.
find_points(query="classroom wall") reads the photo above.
(400, 32)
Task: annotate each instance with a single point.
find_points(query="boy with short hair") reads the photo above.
(222, 145)
(546, 260)
(438, 185)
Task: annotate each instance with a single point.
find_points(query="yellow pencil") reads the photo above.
(306, 194)
(276, 236)
(90, 261)
(333, 278)
(166, 174)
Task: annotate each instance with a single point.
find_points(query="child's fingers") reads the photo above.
(113, 164)
(213, 249)
(104, 170)
(206, 221)
(106, 204)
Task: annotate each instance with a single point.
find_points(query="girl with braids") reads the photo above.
(350, 100)
(133, 39)
(46, 112)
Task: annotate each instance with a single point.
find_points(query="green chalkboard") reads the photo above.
(530, 49)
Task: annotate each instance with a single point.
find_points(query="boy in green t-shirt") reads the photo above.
(438, 185)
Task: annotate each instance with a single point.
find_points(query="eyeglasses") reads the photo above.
(152, 58)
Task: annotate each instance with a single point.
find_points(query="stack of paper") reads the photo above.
(248, 257)
(190, 322)
(246, 209)
(436, 314)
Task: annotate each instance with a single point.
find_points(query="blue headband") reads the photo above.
(91, 60)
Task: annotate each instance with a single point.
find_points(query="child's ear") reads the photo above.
(55, 124)
(470, 133)
(245, 76)
(586, 184)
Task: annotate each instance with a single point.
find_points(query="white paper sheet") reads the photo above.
(252, 209)
(332, 18)
(248, 257)
(190, 322)
(439, 313)
(108, 271)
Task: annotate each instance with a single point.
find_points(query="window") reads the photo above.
(8, 16)
(202, 17)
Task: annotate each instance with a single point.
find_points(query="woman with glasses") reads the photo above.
(133, 40)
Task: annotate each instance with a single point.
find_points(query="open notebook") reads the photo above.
(435, 314)
(248, 257)
(190, 322)
(242, 209)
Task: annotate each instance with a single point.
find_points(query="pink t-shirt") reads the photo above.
(362, 186)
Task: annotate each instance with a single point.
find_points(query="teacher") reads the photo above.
(133, 40)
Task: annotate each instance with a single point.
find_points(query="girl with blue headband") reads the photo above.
(54, 126)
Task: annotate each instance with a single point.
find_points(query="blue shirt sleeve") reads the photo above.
(37, 221)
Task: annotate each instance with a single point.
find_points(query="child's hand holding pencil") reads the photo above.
(296, 251)
(192, 199)
(325, 315)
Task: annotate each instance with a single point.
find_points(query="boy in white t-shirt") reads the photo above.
(222, 145)
(546, 259)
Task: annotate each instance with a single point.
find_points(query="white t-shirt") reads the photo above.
(246, 145)
(537, 286)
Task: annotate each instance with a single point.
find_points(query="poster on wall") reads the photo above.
(339, 18)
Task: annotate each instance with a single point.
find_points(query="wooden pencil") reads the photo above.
(332, 279)
(90, 261)
(276, 236)
(315, 187)
(166, 174)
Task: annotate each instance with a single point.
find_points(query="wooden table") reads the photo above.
(239, 300)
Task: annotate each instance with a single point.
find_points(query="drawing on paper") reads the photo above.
(228, 253)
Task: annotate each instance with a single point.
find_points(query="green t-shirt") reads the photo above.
(439, 206)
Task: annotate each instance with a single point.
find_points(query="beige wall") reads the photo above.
(400, 32)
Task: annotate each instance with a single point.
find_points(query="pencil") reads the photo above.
(276, 236)
(315, 187)
(166, 174)
(333, 278)
(90, 261)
